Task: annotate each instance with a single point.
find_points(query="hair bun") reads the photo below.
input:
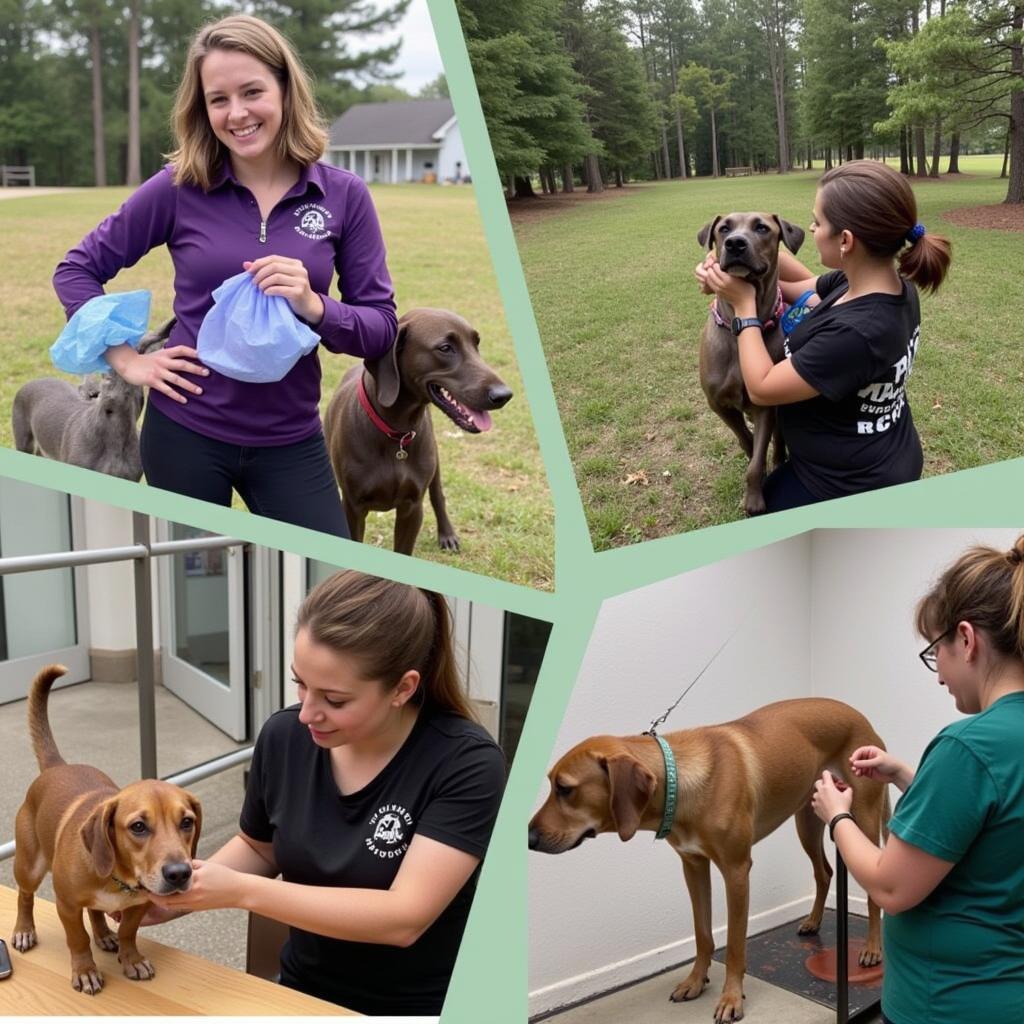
(1016, 554)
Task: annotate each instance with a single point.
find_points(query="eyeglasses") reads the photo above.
(930, 655)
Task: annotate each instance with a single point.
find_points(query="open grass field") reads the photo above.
(496, 485)
(611, 279)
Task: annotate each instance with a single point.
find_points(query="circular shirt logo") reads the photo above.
(313, 220)
(389, 831)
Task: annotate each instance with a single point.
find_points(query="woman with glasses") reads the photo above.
(951, 877)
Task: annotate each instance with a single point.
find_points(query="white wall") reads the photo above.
(838, 623)
(452, 151)
(865, 585)
(608, 912)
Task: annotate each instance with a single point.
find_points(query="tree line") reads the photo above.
(594, 92)
(86, 86)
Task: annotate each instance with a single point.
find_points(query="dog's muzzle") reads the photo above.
(177, 876)
(543, 844)
(738, 254)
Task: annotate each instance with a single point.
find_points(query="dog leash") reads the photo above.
(404, 438)
(671, 771)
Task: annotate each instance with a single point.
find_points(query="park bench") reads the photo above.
(738, 172)
(17, 176)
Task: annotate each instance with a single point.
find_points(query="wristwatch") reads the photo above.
(739, 324)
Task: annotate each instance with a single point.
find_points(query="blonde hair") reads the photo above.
(985, 587)
(198, 154)
(389, 628)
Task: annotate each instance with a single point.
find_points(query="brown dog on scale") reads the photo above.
(107, 849)
(378, 427)
(737, 782)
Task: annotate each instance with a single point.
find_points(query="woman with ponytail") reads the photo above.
(373, 798)
(951, 876)
(841, 391)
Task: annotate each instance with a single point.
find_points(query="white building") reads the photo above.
(409, 140)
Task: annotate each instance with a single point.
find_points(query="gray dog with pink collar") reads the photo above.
(747, 245)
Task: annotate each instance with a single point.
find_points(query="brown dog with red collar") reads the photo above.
(747, 245)
(378, 427)
(737, 782)
(107, 849)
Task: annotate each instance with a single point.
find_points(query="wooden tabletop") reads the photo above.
(184, 984)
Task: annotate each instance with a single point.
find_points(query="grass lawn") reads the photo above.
(497, 489)
(611, 278)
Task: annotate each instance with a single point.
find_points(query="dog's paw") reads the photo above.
(870, 956)
(809, 926)
(689, 989)
(88, 980)
(23, 941)
(139, 970)
(729, 1008)
(108, 942)
(448, 541)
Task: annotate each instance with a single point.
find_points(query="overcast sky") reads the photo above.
(418, 61)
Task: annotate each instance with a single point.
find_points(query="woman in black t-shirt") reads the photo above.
(373, 799)
(841, 391)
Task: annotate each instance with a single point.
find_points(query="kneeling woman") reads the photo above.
(842, 390)
(373, 799)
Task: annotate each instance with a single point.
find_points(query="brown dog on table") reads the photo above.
(737, 782)
(378, 427)
(747, 245)
(107, 849)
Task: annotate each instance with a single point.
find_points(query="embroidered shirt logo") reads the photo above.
(391, 826)
(313, 221)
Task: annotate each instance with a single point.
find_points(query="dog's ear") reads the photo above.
(706, 235)
(631, 788)
(384, 371)
(98, 837)
(197, 811)
(792, 236)
(153, 340)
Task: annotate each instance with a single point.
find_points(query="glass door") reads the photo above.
(43, 615)
(202, 627)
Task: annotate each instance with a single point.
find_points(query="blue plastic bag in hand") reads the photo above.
(116, 319)
(250, 336)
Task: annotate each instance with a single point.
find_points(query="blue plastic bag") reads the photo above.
(106, 320)
(250, 336)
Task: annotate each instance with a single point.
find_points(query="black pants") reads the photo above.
(783, 489)
(293, 483)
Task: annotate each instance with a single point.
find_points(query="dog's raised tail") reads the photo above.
(43, 743)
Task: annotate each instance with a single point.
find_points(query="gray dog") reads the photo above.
(747, 245)
(93, 426)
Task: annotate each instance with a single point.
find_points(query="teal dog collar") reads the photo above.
(670, 789)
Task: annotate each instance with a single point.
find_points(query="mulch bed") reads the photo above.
(1001, 217)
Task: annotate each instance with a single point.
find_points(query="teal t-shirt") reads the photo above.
(958, 956)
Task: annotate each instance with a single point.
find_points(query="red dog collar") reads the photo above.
(404, 438)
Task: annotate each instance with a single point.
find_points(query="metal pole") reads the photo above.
(144, 645)
(842, 942)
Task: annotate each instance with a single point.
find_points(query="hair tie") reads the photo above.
(915, 234)
(1015, 556)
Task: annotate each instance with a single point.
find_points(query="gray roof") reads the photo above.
(403, 122)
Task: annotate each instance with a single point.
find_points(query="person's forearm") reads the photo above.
(791, 269)
(863, 859)
(384, 916)
(904, 777)
(119, 356)
(236, 853)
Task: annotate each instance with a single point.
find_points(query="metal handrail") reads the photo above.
(141, 552)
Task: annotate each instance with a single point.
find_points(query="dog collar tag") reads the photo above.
(401, 454)
(671, 789)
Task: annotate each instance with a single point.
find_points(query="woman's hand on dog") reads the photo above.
(160, 370)
(281, 275)
(739, 293)
(829, 799)
(213, 887)
(701, 273)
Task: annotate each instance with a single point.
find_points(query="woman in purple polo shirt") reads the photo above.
(245, 191)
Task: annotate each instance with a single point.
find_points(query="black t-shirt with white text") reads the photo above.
(445, 782)
(858, 433)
